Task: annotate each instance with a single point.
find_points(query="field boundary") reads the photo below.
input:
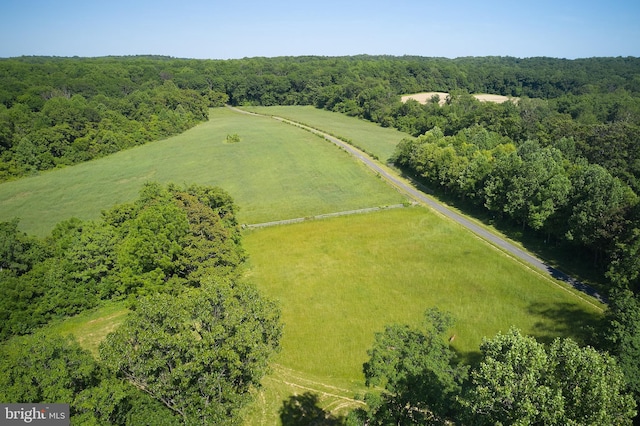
(321, 216)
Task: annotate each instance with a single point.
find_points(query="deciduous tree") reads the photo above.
(417, 370)
(520, 382)
(199, 353)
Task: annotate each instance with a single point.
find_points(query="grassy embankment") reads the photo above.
(338, 280)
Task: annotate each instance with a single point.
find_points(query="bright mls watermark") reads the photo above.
(37, 414)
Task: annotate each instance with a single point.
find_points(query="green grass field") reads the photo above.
(276, 171)
(91, 327)
(341, 279)
(380, 141)
(338, 280)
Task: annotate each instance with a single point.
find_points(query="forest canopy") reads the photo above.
(59, 111)
(168, 240)
(173, 256)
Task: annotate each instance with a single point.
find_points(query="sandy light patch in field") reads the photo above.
(425, 97)
(485, 97)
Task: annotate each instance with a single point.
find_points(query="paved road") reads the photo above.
(421, 197)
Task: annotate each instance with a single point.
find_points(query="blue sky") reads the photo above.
(236, 29)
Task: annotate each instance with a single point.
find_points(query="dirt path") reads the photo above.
(411, 189)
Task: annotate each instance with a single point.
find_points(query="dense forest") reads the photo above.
(560, 161)
(58, 111)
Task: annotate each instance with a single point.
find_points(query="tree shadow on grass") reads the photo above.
(565, 320)
(304, 410)
(470, 358)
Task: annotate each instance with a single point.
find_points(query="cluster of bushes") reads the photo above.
(198, 339)
(517, 381)
(166, 241)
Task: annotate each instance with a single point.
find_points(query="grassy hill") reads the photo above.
(276, 171)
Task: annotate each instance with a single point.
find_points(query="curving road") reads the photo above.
(411, 191)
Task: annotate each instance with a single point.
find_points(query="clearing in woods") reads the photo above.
(425, 97)
(276, 171)
(340, 280)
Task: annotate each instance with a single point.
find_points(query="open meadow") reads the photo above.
(370, 137)
(337, 280)
(341, 280)
(276, 171)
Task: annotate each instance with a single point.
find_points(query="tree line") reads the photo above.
(517, 381)
(548, 189)
(58, 111)
(55, 113)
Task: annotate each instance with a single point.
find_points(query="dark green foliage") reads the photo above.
(62, 111)
(189, 354)
(550, 190)
(41, 368)
(51, 369)
(116, 402)
(624, 269)
(198, 353)
(600, 205)
(18, 251)
(418, 371)
(621, 336)
(169, 239)
(519, 381)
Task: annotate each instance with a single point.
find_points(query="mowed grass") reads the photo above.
(91, 327)
(340, 280)
(276, 171)
(380, 141)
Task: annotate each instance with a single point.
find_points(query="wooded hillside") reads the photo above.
(58, 111)
(561, 162)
